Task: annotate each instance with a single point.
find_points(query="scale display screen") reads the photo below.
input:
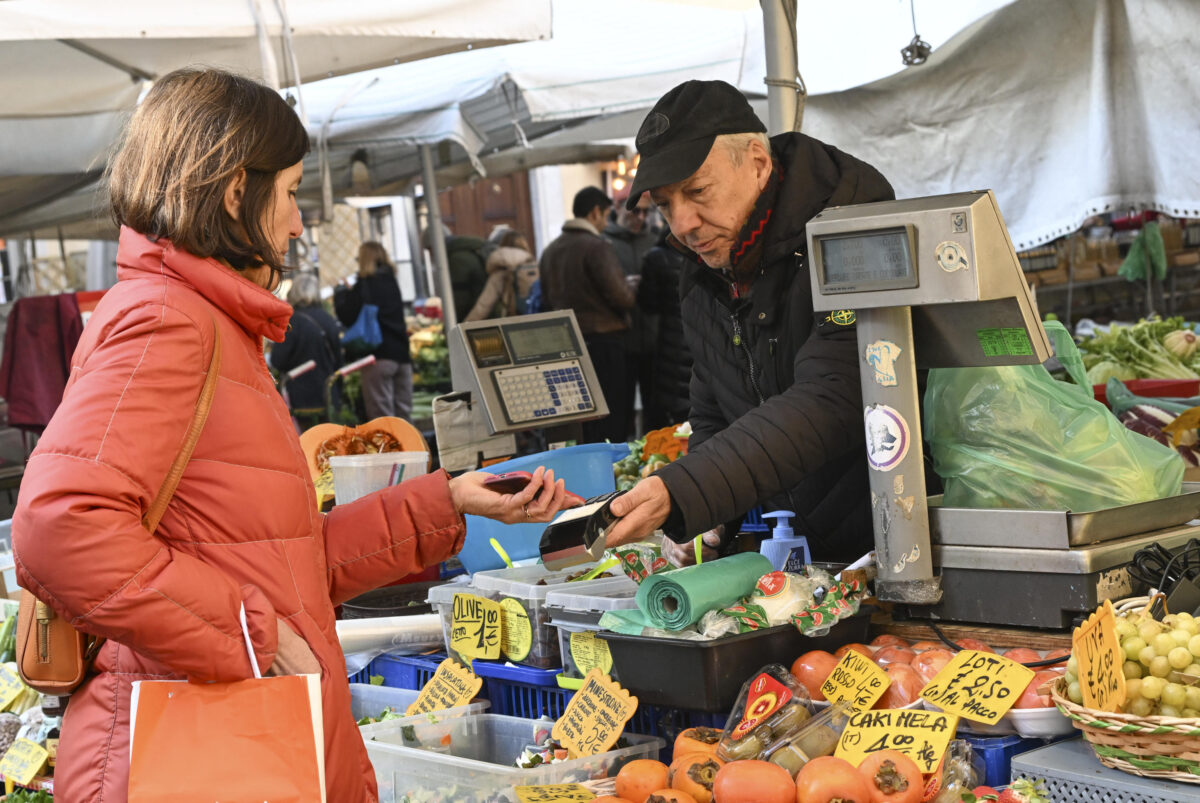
(874, 260)
(542, 340)
(487, 347)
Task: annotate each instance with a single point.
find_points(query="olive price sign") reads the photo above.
(978, 685)
(857, 681)
(923, 736)
(475, 627)
(1101, 661)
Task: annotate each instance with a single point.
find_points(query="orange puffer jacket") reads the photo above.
(242, 528)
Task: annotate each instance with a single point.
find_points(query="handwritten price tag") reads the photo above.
(1098, 651)
(923, 736)
(23, 760)
(553, 793)
(10, 686)
(595, 716)
(857, 681)
(452, 685)
(475, 627)
(978, 685)
(517, 633)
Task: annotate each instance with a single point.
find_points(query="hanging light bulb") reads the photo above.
(618, 184)
(621, 167)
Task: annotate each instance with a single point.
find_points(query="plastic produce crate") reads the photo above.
(668, 723)
(469, 760)
(1072, 773)
(588, 471)
(370, 701)
(572, 611)
(997, 754)
(753, 522)
(401, 671)
(522, 691)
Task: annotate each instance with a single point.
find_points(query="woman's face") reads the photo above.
(283, 222)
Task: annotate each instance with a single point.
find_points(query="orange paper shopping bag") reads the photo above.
(251, 740)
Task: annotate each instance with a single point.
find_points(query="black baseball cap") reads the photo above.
(679, 131)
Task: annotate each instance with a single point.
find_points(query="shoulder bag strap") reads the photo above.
(203, 405)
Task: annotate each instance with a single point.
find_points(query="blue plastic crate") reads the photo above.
(997, 753)
(403, 671)
(753, 522)
(523, 691)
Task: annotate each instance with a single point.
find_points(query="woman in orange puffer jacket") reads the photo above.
(204, 189)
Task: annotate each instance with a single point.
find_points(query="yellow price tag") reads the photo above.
(452, 685)
(978, 685)
(517, 633)
(589, 652)
(595, 716)
(1101, 661)
(23, 760)
(475, 627)
(553, 793)
(11, 686)
(857, 681)
(923, 736)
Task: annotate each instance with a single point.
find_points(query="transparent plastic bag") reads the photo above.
(1015, 437)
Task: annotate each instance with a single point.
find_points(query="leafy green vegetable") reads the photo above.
(377, 680)
(1137, 352)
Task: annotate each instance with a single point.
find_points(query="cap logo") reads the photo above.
(655, 124)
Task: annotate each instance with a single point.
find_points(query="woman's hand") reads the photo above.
(292, 655)
(471, 496)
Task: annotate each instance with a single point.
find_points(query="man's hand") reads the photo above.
(471, 496)
(642, 511)
(685, 554)
(292, 655)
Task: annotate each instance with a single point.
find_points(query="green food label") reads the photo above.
(1008, 342)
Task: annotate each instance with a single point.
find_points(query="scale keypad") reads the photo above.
(537, 392)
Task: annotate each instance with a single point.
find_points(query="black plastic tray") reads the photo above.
(707, 675)
(402, 600)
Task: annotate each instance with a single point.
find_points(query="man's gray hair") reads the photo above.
(738, 144)
(305, 290)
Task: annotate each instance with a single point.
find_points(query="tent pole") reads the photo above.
(437, 242)
(782, 88)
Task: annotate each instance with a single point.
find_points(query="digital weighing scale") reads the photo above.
(509, 375)
(935, 283)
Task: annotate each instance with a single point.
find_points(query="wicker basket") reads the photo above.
(1153, 747)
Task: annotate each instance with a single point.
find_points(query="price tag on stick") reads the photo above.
(475, 627)
(857, 681)
(978, 685)
(554, 793)
(923, 736)
(452, 685)
(23, 760)
(1101, 660)
(595, 716)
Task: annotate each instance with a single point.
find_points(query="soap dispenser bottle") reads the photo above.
(786, 551)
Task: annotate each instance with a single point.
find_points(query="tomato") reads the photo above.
(1030, 698)
(639, 778)
(921, 646)
(753, 782)
(1022, 655)
(826, 779)
(862, 649)
(694, 773)
(973, 644)
(905, 687)
(894, 655)
(888, 640)
(892, 777)
(930, 662)
(697, 740)
(811, 669)
(669, 795)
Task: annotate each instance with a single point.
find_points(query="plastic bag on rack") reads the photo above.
(1015, 437)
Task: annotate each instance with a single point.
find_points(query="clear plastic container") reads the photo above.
(529, 585)
(441, 599)
(470, 760)
(356, 475)
(371, 701)
(573, 612)
(771, 709)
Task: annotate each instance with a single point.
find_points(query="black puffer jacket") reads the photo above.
(658, 294)
(777, 420)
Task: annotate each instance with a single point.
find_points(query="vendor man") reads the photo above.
(776, 402)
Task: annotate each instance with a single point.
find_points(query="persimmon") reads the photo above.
(888, 640)
(894, 655)
(927, 664)
(669, 795)
(921, 646)
(753, 781)
(1064, 654)
(861, 649)
(1022, 655)
(1031, 697)
(892, 777)
(700, 739)
(637, 779)
(812, 668)
(905, 686)
(694, 773)
(827, 779)
(973, 644)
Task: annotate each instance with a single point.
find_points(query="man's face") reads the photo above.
(635, 219)
(707, 210)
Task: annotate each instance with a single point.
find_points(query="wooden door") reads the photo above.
(475, 209)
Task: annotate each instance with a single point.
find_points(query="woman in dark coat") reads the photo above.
(312, 335)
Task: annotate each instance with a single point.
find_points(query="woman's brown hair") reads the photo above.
(372, 258)
(188, 139)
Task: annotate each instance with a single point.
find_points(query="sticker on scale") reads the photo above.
(881, 356)
(887, 437)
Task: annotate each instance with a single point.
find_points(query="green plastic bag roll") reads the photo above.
(675, 600)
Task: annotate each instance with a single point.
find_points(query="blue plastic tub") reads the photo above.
(588, 470)
(402, 671)
(522, 691)
(997, 753)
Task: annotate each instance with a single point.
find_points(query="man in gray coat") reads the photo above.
(775, 394)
